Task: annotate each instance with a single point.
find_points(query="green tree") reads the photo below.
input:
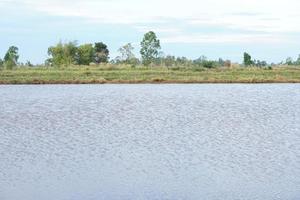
(85, 54)
(297, 62)
(1, 63)
(127, 55)
(11, 57)
(150, 47)
(169, 61)
(247, 59)
(101, 53)
(221, 62)
(63, 54)
(259, 63)
(29, 64)
(209, 64)
(183, 61)
(200, 61)
(289, 61)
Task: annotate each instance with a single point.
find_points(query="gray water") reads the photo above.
(90, 142)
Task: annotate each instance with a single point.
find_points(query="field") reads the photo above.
(126, 74)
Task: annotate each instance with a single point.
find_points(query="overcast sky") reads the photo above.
(267, 29)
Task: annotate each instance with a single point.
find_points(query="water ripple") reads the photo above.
(150, 142)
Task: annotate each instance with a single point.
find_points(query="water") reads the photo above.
(75, 142)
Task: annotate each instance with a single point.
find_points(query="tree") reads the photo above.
(11, 57)
(85, 54)
(247, 59)
(63, 54)
(127, 54)
(101, 53)
(297, 62)
(183, 61)
(208, 64)
(200, 61)
(169, 61)
(29, 64)
(1, 63)
(221, 62)
(259, 63)
(150, 47)
(289, 61)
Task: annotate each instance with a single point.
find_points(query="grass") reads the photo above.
(127, 74)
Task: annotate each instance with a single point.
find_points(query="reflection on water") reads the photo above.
(150, 142)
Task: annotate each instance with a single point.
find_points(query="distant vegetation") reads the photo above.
(10, 59)
(70, 53)
(90, 63)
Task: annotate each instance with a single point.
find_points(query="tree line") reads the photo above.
(70, 53)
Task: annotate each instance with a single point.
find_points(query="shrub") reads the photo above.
(208, 64)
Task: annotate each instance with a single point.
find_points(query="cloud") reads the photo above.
(257, 22)
(182, 21)
(224, 38)
(233, 12)
(158, 29)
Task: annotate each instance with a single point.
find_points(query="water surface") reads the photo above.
(219, 142)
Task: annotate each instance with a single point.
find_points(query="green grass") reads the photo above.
(126, 74)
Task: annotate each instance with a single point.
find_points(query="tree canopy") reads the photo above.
(70, 53)
(247, 59)
(85, 54)
(101, 52)
(1, 63)
(63, 53)
(11, 57)
(150, 47)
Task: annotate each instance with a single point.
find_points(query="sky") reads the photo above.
(267, 29)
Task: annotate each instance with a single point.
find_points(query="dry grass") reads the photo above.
(126, 74)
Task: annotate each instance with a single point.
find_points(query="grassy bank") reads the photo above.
(126, 74)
